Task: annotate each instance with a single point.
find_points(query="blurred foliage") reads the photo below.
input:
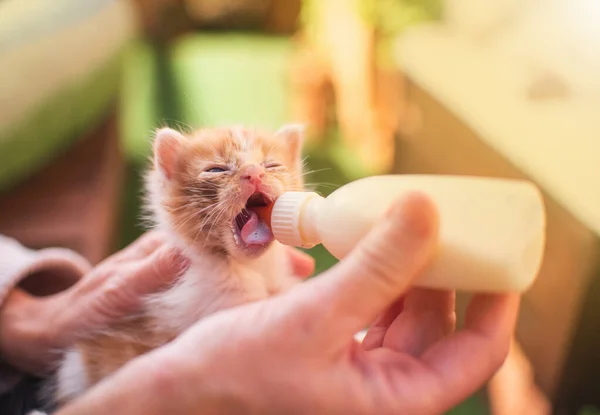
(230, 78)
(589, 410)
(391, 17)
(138, 103)
(388, 17)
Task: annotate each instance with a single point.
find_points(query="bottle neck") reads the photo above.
(309, 219)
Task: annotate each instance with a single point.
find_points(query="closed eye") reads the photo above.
(273, 165)
(216, 169)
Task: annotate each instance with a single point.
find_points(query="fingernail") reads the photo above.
(181, 262)
(416, 214)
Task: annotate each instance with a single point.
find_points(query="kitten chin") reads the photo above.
(206, 190)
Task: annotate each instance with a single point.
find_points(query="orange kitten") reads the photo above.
(204, 191)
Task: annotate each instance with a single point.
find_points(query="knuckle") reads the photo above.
(112, 290)
(151, 240)
(116, 295)
(379, 264)
(115, 302)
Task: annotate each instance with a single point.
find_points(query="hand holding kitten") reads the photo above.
(294, 353)
(34, 329)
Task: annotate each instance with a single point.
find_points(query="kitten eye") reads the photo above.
(216, 170)
(272, 165)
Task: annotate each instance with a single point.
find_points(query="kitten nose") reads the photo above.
(253, 173)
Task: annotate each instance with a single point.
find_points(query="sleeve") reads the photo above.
(18, 262)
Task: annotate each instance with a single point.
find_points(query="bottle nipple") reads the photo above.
(264, 213)
(287, 220)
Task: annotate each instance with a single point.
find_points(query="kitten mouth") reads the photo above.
(250, 230)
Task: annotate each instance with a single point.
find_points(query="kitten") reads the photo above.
(205, 191)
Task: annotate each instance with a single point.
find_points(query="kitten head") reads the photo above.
(210, 187)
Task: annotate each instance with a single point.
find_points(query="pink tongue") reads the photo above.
(255, 231)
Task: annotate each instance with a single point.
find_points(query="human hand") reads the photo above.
(33, 329)
(295, 353)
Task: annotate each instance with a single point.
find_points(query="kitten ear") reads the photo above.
(167, 143)
(293, 134)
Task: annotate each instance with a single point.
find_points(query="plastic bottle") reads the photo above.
(491, 235)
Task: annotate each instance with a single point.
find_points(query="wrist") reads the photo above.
(131, 390)
(153, 384)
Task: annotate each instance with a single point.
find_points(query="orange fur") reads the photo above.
(189, 194)
(198, 208)
(105, 353)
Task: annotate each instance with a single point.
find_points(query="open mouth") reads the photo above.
(250, 229)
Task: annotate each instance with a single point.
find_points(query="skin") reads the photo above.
(33, 329)
(295, 354)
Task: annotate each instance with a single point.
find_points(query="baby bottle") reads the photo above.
(491, 231)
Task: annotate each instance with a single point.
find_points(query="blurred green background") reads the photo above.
(69, 67)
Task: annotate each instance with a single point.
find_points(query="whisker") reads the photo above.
(217, 219)
(315, 171)
(178, 124)
(324, 184)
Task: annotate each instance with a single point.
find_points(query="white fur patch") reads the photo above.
(71, 377)
(211, 285)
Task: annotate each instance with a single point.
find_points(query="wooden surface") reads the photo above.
(555, 140)
(73, 202)
(550, 318)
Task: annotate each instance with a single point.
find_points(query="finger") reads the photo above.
(428, 317)
(124, 291)
(377, 271)
(512, 389)
(465, 360)
(142, 247)
(376, 333)
(303, 265)
(136, 254)
(16, 298)
(20, 323)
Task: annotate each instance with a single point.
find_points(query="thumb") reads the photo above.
(378, 271)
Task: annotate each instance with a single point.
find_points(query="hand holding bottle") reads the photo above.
(294, 353)
(492, 231)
